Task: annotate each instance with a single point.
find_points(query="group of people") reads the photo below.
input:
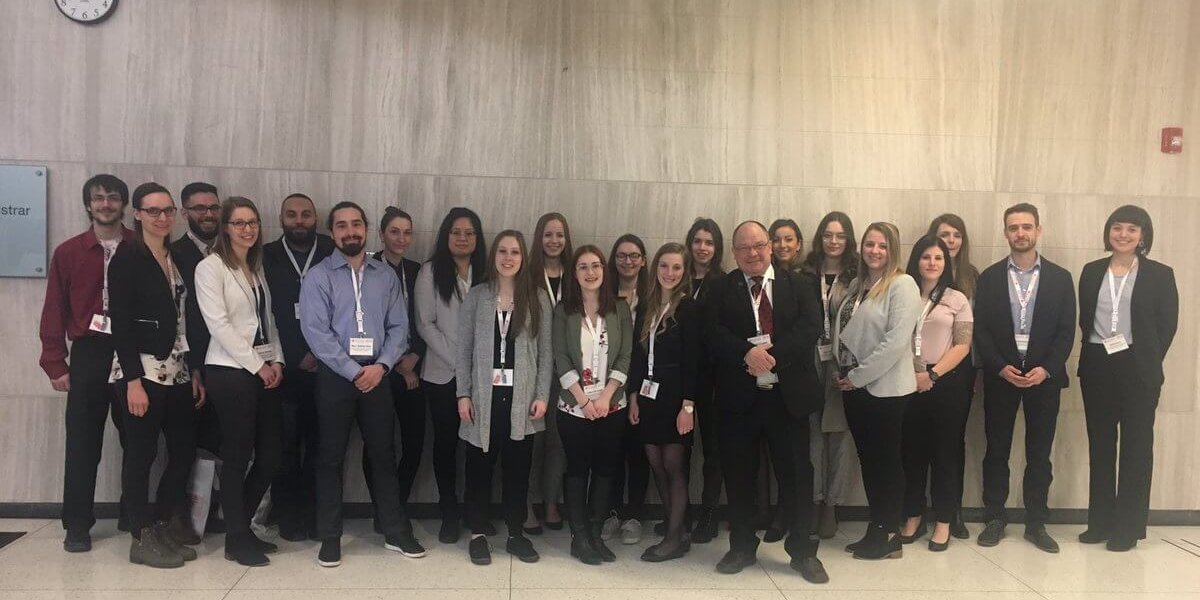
(581, 372)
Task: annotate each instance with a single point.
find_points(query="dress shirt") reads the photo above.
(1025, 277)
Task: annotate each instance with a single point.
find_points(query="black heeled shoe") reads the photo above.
(680, 551)
(922, 528)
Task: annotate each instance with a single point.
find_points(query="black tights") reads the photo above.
(667, 461)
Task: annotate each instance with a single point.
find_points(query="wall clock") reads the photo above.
(86, 11)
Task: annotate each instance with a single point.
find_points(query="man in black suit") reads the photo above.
(285, 263)
(763, 326)
(1024, 328)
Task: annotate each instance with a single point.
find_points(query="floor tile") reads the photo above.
(646, 594)
(372, 594)
(909, 595)
(113, 595)
(1155, 566)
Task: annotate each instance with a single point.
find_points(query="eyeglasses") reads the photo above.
(202, 208)
(110, 198)
(629, 258)
(831, 237)
(463, 233)
(241, 225)
(759, 247)
(156, 212)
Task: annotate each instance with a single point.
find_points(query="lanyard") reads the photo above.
(554, 298)
(826, 297)
(756, 302)
(357, 281)
(653, 334)
(403, 281)
(699, 285)
(1024, 296)
(921, 326)
(257, 315)
(1115, 293)
(505, 319)
(308, 261)
(596, 332)
(108, 254)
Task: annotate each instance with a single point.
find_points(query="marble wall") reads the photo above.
(626, 115)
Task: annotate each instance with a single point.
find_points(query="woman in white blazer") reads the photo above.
(874, 336)
(244, 368)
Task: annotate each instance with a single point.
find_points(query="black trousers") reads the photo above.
(339, 405)
(594, 452)
(1118, 405)
(443, 414)
(706, 422)
(410, 414)
(877, 424)
(740, 436)
(1000, 403)
(172, 413)
(931, 445)
(251, 423)
(515, 458)
(633, 467)
(88, 405)
(294, 491)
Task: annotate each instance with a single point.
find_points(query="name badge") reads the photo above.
(593, 391)
(759, 340)
(101, 323)
(917, 346)
(649, 389)
(362, 346)
(181, 344)
(297, 311)
(266, 352)
(825, 352)
(1115, 344)
(502, 377)
(1022, 342)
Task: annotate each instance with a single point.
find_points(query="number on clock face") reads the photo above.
(86, 11)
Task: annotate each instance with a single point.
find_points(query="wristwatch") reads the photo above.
(689, 408)
(933, 376)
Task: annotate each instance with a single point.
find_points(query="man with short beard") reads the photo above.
(353, 315)
(76, 309)
(286, 261)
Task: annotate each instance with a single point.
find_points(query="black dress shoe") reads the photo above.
(449, 532)
(878, 550)
(77, 542)
(991, 534)
(938, 546)
(1094, 536)
(811, 569)
(293, 534)
(681, 550)
(479, 550)
(554, 525)
(520, 547)
(774, 534)
(262, 545)
(1038, 537)
(734, 561)
(602, 549)
(958, 529)
(1120, 545)
(706, 526)
(581, 548)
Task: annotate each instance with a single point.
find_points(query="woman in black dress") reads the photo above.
(663, 373)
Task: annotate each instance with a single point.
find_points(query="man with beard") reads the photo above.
(353, 315)
(1024, 355)
(76, 309)
(286, 261)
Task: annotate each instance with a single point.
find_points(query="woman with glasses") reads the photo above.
(244, 367)
(459, 262)
(146, 306)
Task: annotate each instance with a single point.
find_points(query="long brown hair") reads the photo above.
(849, 260)
(526, 307)
(891, 236)
(224, 246)
(573, 295)
(965, 273)
(654, 298)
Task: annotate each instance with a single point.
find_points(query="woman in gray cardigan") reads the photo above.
(874, 337)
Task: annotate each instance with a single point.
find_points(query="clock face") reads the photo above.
(86, 11)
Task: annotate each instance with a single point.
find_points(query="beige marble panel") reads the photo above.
(889, 161)
(889, 105)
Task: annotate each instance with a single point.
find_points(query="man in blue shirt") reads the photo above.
(353, 317)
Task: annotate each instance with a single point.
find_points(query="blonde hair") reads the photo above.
(891, 236)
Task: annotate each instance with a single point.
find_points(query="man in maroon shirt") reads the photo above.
(76, 309)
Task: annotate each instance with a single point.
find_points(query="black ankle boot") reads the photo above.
(575, 499)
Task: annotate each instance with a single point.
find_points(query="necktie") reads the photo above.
(766, 316)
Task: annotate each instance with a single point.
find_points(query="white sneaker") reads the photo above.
(631, 532)
(610, 527)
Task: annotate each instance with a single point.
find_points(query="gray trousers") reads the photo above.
(835, 463)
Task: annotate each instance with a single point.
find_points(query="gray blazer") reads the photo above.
(880, 335)
(437, 323)
(532, 367)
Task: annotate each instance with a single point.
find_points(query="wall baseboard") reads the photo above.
(429, 510)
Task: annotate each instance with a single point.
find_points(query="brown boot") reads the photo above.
(163, 530)
(150, 551)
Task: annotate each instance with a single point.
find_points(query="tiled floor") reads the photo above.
(35, 567)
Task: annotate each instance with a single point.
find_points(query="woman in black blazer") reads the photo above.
(1120, 373)
(146, 303)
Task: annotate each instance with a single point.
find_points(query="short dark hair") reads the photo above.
(1134, 215)
(1023, 207)
(344, 204)
(298, 195)
(108, 183)
(196, 187)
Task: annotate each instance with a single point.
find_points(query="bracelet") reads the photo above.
(589, 401)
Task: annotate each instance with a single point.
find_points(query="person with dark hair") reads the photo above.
(503, 374)
(786, 243)
(396, 229)
(352, 314)
(934, 416)
(286, 262)
(593, 341)
(459, 262)
(706, 247)
(1128, 316)
(245, 368)
(147, 299)
(951, 229)
(762, 325)
(1023, 337)
(76, 309)
(627, 271)
(833, 262)
(552, 247)
(665, 359)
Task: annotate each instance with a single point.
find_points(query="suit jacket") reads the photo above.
(1051, 333)
(1155, 311)
(187, 256)
(729, 319)
(142, 307)
(284, 282)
